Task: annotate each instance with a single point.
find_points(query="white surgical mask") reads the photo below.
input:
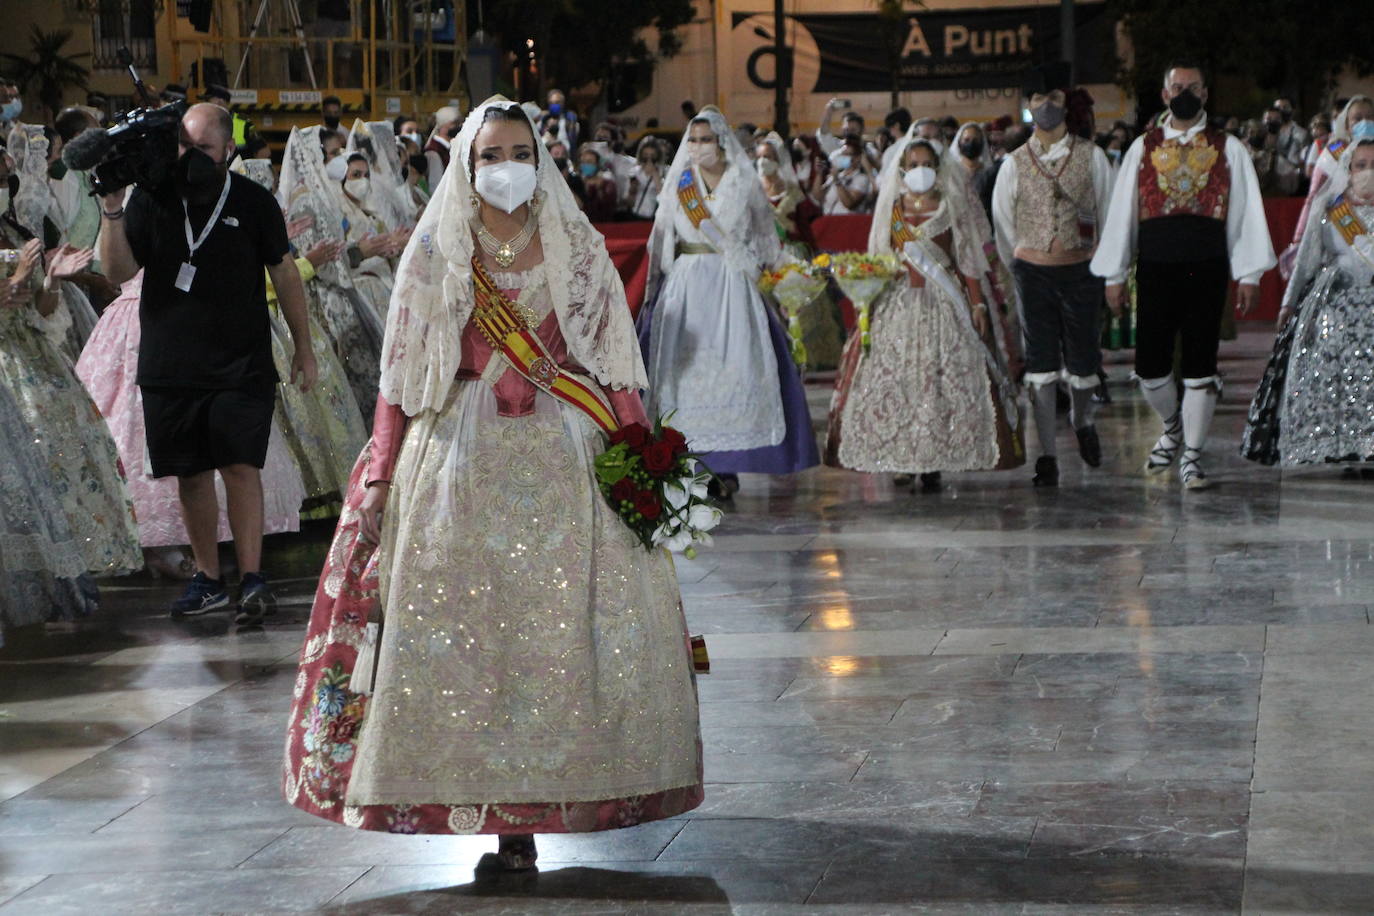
(506, 185)
(767, 167)
(358, 188)
(705, 155)
(920, 179)
(336, 168)
(413, 138)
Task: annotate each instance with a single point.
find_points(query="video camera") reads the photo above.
(140, 149)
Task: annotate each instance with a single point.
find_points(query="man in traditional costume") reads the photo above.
(1187, 206)
(1049, 200)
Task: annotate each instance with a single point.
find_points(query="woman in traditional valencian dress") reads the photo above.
(532, 673)
(718, 358)
(1315, 402)
(322, 426)
(370, 239)
(352, 322)
(80, 456)
(932, 392)
(40, 557)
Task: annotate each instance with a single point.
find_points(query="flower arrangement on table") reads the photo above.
(795, 285)
(658, 487)
(862, 278)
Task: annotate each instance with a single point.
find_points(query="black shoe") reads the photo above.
(1089, 446)
(930, 483)
(202, 595)
(255, 600)
(1046, 471)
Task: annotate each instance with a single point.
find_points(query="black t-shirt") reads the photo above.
(216, 335)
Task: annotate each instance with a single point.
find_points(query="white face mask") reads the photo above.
(920, 179)
(413, 138)
(705, 155)
(767, 167)
(358, 188)
(506, 185)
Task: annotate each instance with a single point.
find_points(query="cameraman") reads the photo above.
(205, 361)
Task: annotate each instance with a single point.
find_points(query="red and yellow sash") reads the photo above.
(901, 229)
(1343, 217)
(500, 323)
(690, 199)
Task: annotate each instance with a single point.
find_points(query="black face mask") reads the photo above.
(1272, 126)
(1185, 105)
(1257, 141)
(331, 121)
(199, 177)
(1285, 116)
(561, 163)
(971, 149)
(418, 163)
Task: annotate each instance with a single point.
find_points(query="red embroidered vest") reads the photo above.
(434, 146)
(1184, 179)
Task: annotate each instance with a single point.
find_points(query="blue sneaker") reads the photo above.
(255, 600)
(202, 595)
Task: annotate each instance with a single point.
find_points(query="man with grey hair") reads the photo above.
(205, 363)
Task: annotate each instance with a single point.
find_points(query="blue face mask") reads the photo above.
(12, 109)
(588, 169)
(1362, 130)
(843, 162)
(555, 108)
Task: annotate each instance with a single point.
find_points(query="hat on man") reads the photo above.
(1046, 78)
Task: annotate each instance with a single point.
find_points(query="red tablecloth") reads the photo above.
(850, 233)
(628, 246)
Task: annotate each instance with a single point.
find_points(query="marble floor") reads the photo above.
(1111, 697)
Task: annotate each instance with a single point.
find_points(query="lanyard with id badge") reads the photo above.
(187, 274)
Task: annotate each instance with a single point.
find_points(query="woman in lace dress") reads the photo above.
(80, 456)
(40, 558)
(532, 673)
(370, 240)
(352, 323)
(931, 394)
(1315, 402)
(322, 426)
(718, 358)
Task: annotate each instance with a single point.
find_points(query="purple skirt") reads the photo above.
(797, 451)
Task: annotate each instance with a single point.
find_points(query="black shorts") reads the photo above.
(191, 430)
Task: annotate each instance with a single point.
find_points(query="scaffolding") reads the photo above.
(280, 58)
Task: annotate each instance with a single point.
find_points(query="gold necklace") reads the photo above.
(505, 253)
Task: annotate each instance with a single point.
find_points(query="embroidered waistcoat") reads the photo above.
(1184, 179)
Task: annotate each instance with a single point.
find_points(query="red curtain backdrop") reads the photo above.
(628, 246)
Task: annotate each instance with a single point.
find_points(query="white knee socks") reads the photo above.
(1199, 404)
(1042, 397)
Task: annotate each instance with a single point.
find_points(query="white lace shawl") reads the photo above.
(433, 295)
(1312, 253)
(954, 195)
(376, 141)
(35, 199)
(305, 190)
(739, 211)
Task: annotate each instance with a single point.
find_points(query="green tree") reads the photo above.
(579, 42)
(48, 68)
(1276, 46)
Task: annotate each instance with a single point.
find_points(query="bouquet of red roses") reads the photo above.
(658, 487)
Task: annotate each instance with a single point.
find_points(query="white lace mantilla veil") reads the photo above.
(258, 170)
(750, 239)
(1340, 128)
(35, 199)
(376, 140)
(433, 295)
(303, 189)
(1309, 258)
(954, 190)
(786, 170)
